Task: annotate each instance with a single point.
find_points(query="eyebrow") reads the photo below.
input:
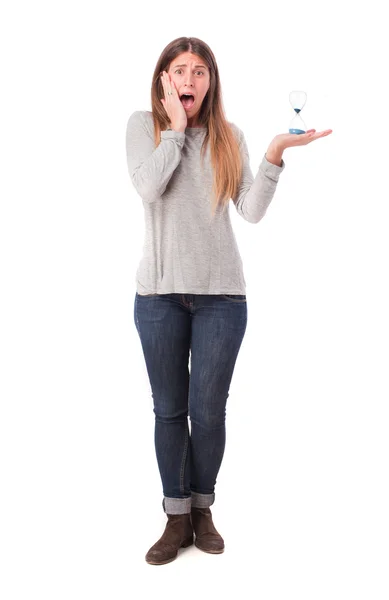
(175, 66)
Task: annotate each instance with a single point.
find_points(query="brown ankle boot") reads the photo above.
(207, 538)
(178, 534)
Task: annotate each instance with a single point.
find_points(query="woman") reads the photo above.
(187, 161)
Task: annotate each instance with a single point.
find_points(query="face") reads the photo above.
(191, 76)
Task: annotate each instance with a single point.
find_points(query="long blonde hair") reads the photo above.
(224, 147)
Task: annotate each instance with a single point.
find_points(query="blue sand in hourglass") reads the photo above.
(298, 131)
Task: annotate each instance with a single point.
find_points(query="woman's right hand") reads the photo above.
(172, 104)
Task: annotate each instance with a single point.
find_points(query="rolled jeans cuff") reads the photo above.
(176, 506)
(202, 500)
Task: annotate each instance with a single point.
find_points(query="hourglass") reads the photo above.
(297, 100)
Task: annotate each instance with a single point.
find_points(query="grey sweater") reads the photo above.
(184, 250)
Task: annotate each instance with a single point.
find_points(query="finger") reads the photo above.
(317, 136)
(175, 90)
(167, 82)
(323, 133)
(163, 84)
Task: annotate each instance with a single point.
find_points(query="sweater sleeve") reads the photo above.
(151, 167)
(255, 194)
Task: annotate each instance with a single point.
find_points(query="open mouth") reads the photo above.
(187, 100)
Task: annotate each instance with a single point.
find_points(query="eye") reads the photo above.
(195, 71)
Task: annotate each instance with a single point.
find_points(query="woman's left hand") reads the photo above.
(287, 140)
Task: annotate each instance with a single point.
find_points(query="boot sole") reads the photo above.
(185, 544)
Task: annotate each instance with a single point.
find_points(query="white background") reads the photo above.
(302, 495)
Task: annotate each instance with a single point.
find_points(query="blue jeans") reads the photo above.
(211, 328)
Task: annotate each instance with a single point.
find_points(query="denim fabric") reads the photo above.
(209, 329)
